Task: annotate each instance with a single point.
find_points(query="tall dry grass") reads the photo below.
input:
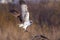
(46, 22)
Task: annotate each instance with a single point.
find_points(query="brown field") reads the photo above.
(46, 22)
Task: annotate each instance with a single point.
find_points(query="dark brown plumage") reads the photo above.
(21, 2)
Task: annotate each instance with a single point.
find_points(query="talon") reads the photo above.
(20, 25)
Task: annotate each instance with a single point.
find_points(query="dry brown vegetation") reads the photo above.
(46, 22)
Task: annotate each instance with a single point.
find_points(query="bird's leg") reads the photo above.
(20, 25)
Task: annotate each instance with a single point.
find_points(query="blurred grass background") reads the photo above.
(46, 21)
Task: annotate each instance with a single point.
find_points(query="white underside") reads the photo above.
(25, 25)
(25, 17)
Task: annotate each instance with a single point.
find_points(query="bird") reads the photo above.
(25, 16)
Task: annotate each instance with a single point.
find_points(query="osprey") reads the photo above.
(25, 15)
